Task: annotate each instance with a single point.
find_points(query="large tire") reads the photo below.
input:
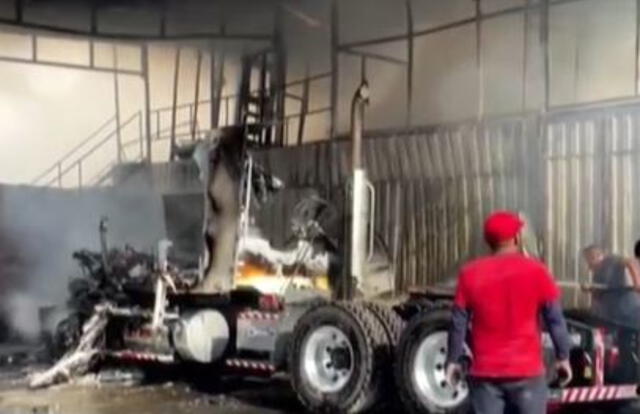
(392, 322)
(420, 367)
(337, 356)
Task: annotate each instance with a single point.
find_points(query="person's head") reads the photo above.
(593, 255)
(636, 250)
(502, 230)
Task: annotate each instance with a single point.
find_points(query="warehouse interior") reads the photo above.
(475, 105)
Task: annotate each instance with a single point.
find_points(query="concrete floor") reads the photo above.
(229, 396)
(165, 399)
(89, 397)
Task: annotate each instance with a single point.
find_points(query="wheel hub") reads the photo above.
(327, 359)
(340, 358)
(429, 374)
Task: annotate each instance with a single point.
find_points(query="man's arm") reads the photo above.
(557, 326)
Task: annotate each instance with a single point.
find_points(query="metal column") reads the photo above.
(335, 44)
(116, 94)
(176, 76)
(304, 106)
(544, 40)
(637, 56)
(479, 59)
(409, 10)
(194, 124)
(147, 100)
(280, 77)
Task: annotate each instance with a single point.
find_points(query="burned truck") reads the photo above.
(323, 311)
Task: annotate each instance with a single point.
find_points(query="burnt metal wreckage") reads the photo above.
(324, 312)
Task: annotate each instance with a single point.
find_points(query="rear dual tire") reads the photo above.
(339, 353)
(420, 367)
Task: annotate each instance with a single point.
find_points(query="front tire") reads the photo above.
(420, 367)
(338, 353)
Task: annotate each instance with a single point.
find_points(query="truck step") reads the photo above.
(142, 356)
(254, 365)
(597, 393)
(259, 316)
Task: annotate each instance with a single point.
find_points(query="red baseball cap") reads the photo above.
(502, 226)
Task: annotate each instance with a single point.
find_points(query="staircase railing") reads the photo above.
(73, 168)
(111, 144)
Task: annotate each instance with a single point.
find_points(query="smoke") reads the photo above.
(40, 229)
(22, 308)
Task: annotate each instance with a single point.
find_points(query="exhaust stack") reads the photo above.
(362, 195)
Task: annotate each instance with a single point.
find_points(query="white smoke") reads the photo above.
(45, 226)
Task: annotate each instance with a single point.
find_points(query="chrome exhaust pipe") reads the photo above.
(360, 204)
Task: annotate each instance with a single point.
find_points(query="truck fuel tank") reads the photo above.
(201, 336)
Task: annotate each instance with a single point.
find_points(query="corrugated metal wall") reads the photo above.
(575, 174)
(434, 187)
(592, 184)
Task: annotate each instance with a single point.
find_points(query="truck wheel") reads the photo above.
(337, 354)
(420, 367)
(392, 322)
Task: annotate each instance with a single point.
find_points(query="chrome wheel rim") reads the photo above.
(429, 374)
(327, 359)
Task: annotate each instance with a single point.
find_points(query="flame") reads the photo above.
(269, 282)
(249, 270)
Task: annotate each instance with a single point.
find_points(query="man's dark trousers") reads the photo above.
(498, 396)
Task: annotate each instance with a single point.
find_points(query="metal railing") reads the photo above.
(189, 121)
(91, 162)
(73, 168)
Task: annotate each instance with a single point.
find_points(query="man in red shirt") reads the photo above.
(502, 297)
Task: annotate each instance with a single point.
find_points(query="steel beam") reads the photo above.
(447, 26)
(544, 40)
(310, 79)
(70, 66)
(94, 17)
(163, 19)
(375, 56)
(19, 11)
(335, 46)
(479, 59)
(116, 95)
(92, 54)
(34, 47)
(96, 34)
(176, 77)
(363, 68)
(525, 56)
(147, 100)
(79, 174)
(213, 84)
(304, 108)
(410, 47)
(280, 74)
(194, 124)
(216, 103)
(637, 49)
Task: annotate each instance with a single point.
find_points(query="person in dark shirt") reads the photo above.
(615, 294)
(501, 298)
(615, 288)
